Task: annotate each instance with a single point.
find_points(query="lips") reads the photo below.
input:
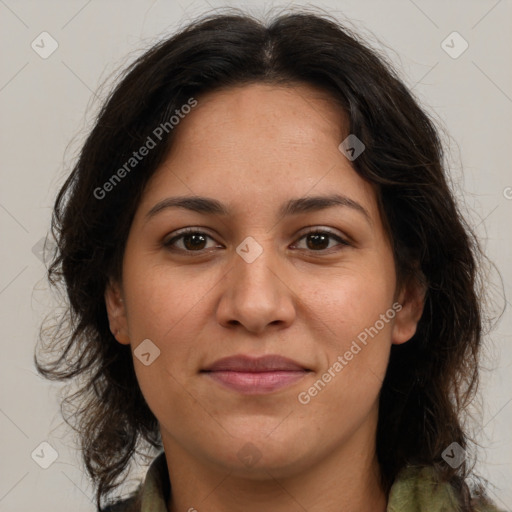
(255, 376)
(243, 363)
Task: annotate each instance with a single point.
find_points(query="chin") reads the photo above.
(260, 455)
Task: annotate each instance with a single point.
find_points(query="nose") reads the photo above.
(256, 293)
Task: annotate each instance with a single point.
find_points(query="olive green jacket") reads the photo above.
(414, 490)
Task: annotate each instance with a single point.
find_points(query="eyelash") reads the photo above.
(192, 231)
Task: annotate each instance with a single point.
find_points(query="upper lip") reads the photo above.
(243, 363)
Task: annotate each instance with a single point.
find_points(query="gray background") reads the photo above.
(48, 104)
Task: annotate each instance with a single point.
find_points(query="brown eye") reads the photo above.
(188, 241)
(319, 240)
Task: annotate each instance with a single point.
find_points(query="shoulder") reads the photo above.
(421, 486)
(131, 504)
(484, 504)
(418, 486)
(151, 495)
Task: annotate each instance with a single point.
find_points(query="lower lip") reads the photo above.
(255, 383)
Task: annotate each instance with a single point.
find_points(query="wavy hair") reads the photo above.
(430, 379)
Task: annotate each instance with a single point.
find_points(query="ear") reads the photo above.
(116, 311)
(412, 300)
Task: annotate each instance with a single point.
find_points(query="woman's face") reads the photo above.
(250, 283)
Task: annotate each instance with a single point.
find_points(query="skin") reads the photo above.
(253, 148)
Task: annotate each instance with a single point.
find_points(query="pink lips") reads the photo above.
(254, 376)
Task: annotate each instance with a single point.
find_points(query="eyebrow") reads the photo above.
(211, 206)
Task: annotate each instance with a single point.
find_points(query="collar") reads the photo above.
(415, 489)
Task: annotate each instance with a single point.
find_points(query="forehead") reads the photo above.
(260, 142)
(281, 115)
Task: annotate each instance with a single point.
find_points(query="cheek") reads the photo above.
(349, 301)
(163, 301)
(166, 312)
(167, 307)
(354, 317)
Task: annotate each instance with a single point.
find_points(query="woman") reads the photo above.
(269, 281)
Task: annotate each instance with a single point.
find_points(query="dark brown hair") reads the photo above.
(430, 379)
